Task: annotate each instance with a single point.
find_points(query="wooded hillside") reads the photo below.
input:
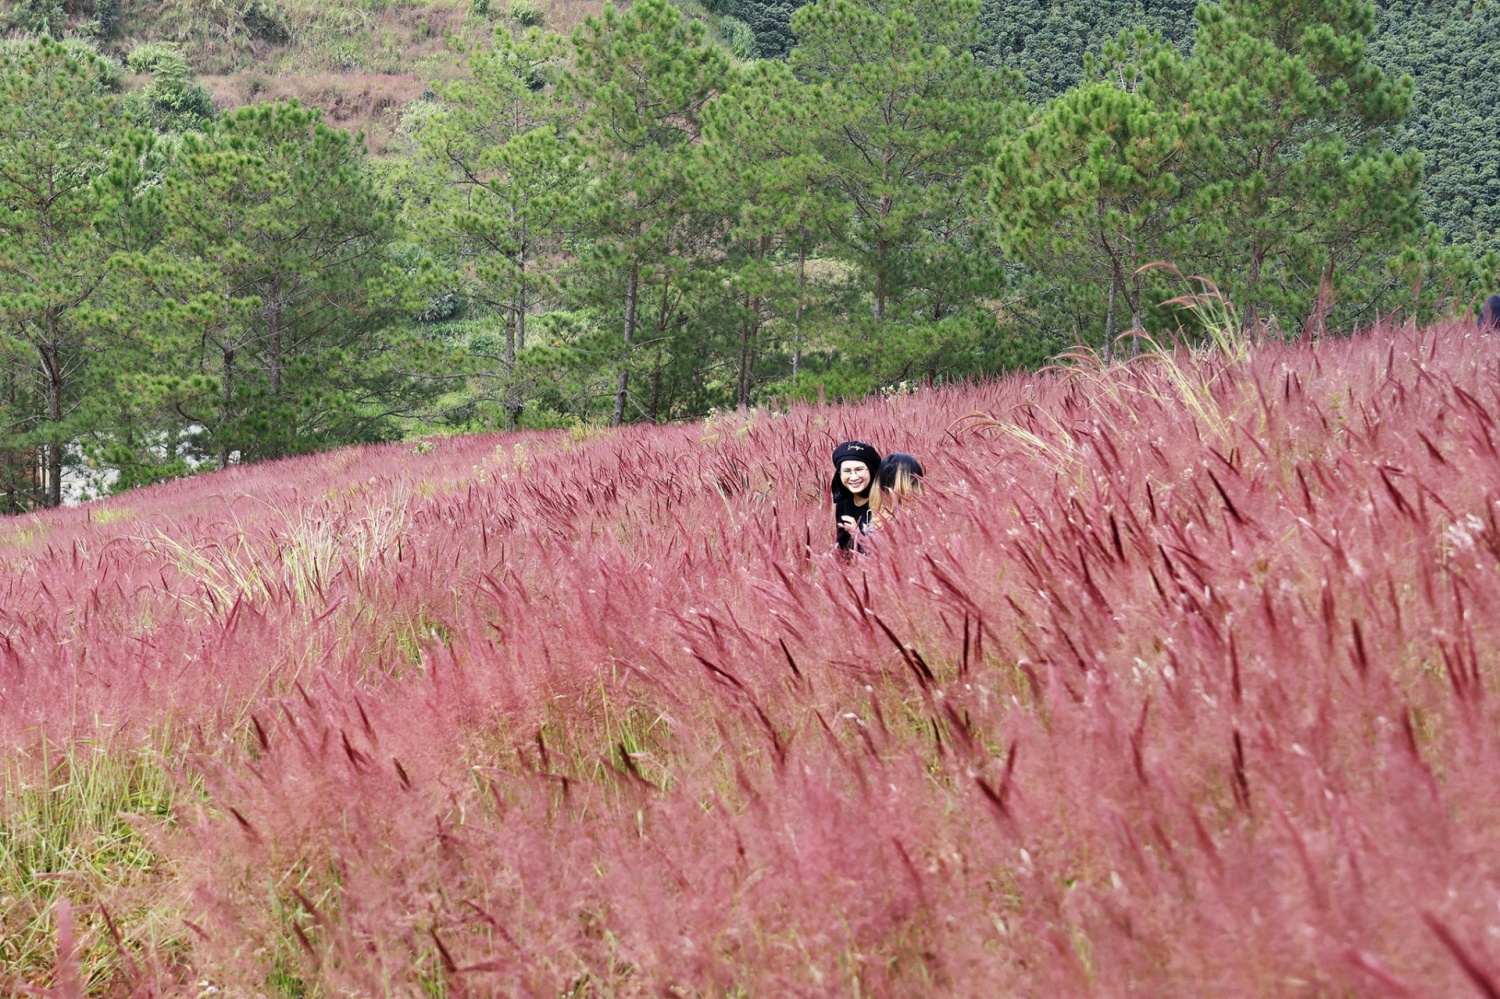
(1448, 48)
(362, 62)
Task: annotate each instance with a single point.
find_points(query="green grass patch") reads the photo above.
(80, 824)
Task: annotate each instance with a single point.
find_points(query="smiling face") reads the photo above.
(855, 475)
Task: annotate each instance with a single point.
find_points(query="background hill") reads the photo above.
(1176, 680)
(363, 61)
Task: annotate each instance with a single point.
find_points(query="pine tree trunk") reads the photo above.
(521, 321)
(654, 412)
(515, 336)
(508, 362)
(797, 321)
(742, 387)
(749, 333)
(515, 342)
(882, 253)
(1252, 307)
(622, 387)
(1109, 312)
(1133, 299)
(52, 472)
(226, 396)
(276, 336)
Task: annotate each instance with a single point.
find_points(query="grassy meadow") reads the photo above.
(1179, 679)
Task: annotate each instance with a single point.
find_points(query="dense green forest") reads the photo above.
(643, 221)
(1446, 46)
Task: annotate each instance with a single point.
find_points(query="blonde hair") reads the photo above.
(900, 476)
(903, 483)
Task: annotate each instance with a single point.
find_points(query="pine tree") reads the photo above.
(57, 129)
(1090, 193)
(140, 432)
(760, 168)
(498, 187)
(642, 79)
(1311, 195)
(278, 238)
(903, 116)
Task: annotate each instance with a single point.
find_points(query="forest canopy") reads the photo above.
(643, 221)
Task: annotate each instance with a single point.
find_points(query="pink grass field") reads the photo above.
(1180, 679)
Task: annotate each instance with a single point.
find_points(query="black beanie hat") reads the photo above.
(853, 451)
(856, 451)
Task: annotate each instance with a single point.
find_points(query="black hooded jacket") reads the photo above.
(843, 499)
(1489, 315)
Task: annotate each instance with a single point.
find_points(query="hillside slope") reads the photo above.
(362, 62)
(1179, 679)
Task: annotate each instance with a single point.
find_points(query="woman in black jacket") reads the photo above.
(855, 465)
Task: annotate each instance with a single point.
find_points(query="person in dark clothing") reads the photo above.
(1489, 315)
(900, 475)
(855, 465)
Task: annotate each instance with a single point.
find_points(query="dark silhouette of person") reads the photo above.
(1489, 314)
